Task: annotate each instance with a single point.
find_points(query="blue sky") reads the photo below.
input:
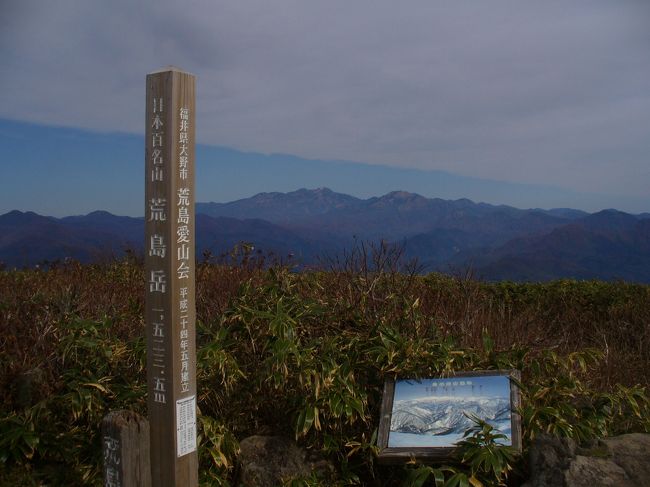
(60, 171)
(532, 105)
(490, 386)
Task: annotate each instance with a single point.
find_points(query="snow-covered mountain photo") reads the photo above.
(436, 412)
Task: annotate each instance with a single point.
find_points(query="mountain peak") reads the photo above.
(401, 199)
(301, 204)
(610, 217)
(17, 217)
(403, 195)
(322, 190)
(15, 213)
(100, 214)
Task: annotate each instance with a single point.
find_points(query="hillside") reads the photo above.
(608, 245)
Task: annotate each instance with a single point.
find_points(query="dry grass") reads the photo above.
(563, 315)
(345, 307)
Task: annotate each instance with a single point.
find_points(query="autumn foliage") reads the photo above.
(304, 354)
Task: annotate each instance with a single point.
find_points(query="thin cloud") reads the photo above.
(552, 93)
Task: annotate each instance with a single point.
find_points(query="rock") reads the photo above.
(622, 461)
(632, 453)
(549, 457)
(595, 472)
(268, 461)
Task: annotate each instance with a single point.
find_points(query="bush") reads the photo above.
(306, 354)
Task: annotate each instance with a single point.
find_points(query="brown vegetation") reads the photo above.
(361, 299)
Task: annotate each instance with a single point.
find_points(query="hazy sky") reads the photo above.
(490, 386)
(548, 92)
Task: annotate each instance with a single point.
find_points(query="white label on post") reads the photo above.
(185, 426)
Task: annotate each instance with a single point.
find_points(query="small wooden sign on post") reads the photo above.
(125, 444)
(170, 311)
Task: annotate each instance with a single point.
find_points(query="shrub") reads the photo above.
(306, 354)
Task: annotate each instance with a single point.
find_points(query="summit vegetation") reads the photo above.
(306, 354)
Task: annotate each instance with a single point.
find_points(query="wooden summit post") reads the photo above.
(170, 312)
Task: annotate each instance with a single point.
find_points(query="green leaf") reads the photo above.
(459, 479)
(417, 477)
(439, 477)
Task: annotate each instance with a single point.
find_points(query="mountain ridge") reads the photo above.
(496, 241)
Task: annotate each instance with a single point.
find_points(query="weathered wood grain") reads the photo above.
(125, 445)
(170, 271)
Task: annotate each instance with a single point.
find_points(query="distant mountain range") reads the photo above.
(496, 242)
(431, 415)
